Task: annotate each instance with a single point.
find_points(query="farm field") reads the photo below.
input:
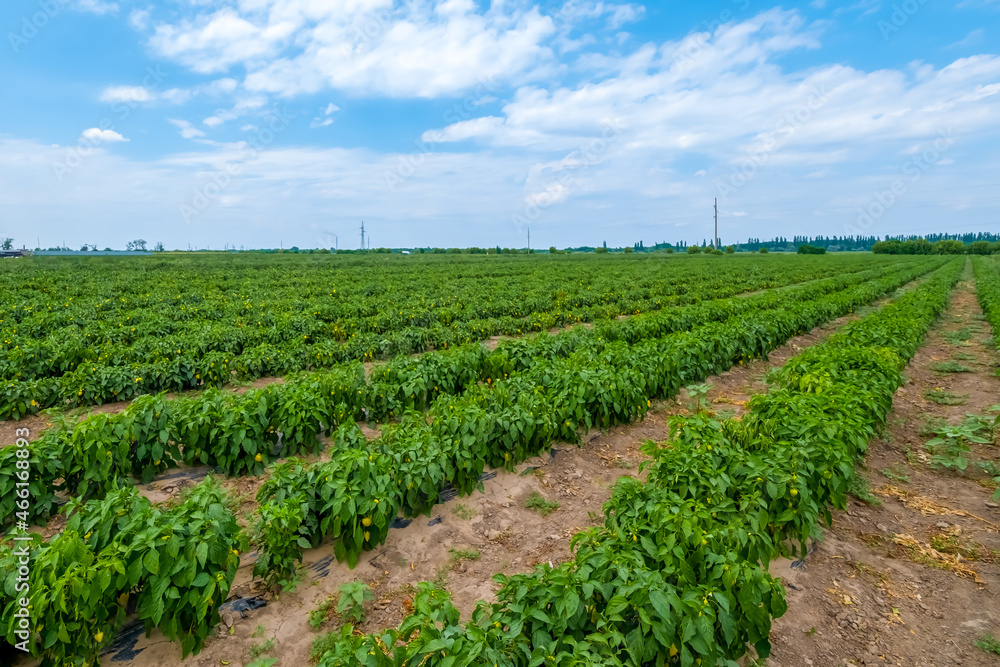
(544, 419)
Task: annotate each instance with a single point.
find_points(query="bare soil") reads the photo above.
(876, 591)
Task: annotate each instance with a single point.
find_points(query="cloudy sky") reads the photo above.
(264, 122)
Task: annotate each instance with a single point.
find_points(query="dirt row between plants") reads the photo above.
(466, 540)
(911, 576)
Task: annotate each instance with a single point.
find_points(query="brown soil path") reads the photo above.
(913, 579)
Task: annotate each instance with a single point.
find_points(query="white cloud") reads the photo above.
(177, 95)
(95, 135)
(126, 94)
(973, 38)
(187, 130)
(612, 129)
(96, 6)
(290, 47)
(326, 118)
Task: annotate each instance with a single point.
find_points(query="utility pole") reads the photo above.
(715, 241)
(362, 234)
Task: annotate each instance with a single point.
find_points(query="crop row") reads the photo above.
(173, 567)
(139, 346)
(988, 291)
(674, 576)
(495, 423)
(354, 497)
(240, 432)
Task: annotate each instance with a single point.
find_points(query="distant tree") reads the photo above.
(670, 251)
(605, 246)
(946, 247)
(693, 250)
(8, 243)
(806, 249)
(980, 248)
(552, 250)
(158, 247)
(139, 244)
(730, 249)
(763, 251)
(628, 250)
(108, 250)
(84, 248)
(603, 250)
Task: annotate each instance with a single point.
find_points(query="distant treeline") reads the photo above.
(842, 243)
(921, 246)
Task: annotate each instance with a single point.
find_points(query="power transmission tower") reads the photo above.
(362, 234)
(715, 239)
(529, 240)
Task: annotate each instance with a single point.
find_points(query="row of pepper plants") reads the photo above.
(354, 497)
(123, 347)
(240, 433)
(988, 290)
(172, 567)
(675, 576)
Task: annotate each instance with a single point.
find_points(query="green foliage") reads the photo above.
(698, 395)
(674, 574)
(945, 397)
(258, 649)
(806, 249)
(958, 336)
(458, 555)
(950, 367)
(177, 563)
(319, 615)
(537, 503)
(862, 490)
(353, 596)
(989, 643)
(263, 662)
(951, 446)
(895, 475)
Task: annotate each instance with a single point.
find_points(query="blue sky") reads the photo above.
(264, 122)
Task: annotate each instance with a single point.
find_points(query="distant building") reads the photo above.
(7, 254)
(92, 253)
